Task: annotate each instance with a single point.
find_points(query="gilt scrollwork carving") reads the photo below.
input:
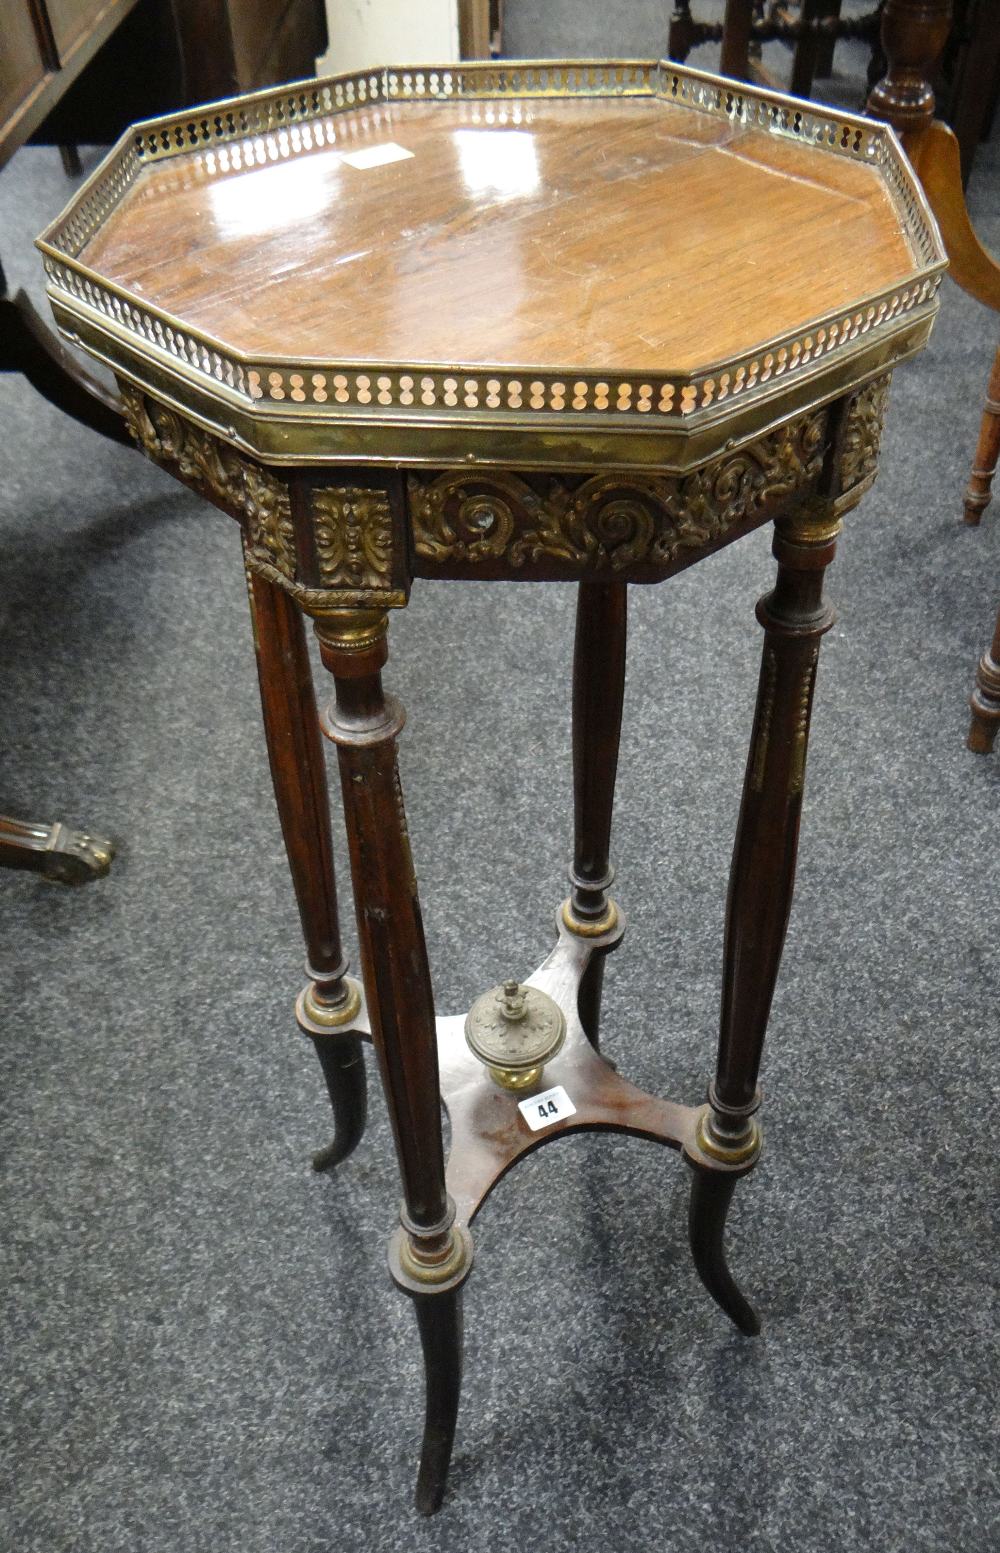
(217, 471)
(609, 521)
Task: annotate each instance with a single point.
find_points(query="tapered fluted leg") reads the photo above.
(326, 1011)
(711, 1194)
(598, 694)
(979, 493)
(794, 618)
(430, 1256)
(985, 701)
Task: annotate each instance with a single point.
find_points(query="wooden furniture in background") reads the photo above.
(190, 50)
(985, 700)
(811, 28)
(979, 493)
(46, 44)
(914, 33)
(409, 428)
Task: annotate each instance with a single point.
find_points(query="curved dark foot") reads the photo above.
(711, 1194)
(439, 1317)
(342, 1059)
(588, 1000)
(67, 856)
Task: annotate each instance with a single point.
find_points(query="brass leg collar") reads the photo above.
(318, 1017)
(717, 1146)
(414, 1275)
(593, 929)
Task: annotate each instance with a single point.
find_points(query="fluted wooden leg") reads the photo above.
(430, 1257)
(794, 618)
(327, 1009)
(985, 701)
(598, 694)
(980, 491)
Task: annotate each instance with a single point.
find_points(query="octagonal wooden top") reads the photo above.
(527, 251)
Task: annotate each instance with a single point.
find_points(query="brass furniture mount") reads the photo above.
(515, 1031)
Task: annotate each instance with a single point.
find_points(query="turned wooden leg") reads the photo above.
(794, 618)
(985, 700)
(430, 1257)
(737, 29)
(598, 694)
(329, 1006)
(681, 35)
(979, 494)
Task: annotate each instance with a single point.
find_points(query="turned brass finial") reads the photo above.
(515, 1030)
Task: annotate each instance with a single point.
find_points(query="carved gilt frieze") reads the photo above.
(352, 526)
(610, 521)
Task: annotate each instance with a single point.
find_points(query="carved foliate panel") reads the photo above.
(620, 523)
(351, 526)
(354, 537)
(862, 434)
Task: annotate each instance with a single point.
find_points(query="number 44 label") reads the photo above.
(545, 1109)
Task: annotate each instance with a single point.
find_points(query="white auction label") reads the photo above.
(542, 1110)
(376, 156)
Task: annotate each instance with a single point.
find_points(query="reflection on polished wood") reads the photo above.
(595, 224)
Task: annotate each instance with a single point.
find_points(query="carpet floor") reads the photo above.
(202, 1349)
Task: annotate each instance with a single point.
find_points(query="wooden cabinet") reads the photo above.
(46, 44)
(178, 52)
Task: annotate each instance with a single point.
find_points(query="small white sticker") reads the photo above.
(376, 156)
(542, 1110)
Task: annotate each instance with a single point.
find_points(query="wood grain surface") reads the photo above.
(620, 234)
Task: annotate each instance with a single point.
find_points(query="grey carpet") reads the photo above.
(202, 1350)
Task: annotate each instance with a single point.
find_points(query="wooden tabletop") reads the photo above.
(616, 234)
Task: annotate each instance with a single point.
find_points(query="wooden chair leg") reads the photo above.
(28, 345)
(737, 27)
(985, 701)
(328, 1010)
(761, 882)
(64, 855)
(979, 493)
(598, 695)
(430, 1257)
